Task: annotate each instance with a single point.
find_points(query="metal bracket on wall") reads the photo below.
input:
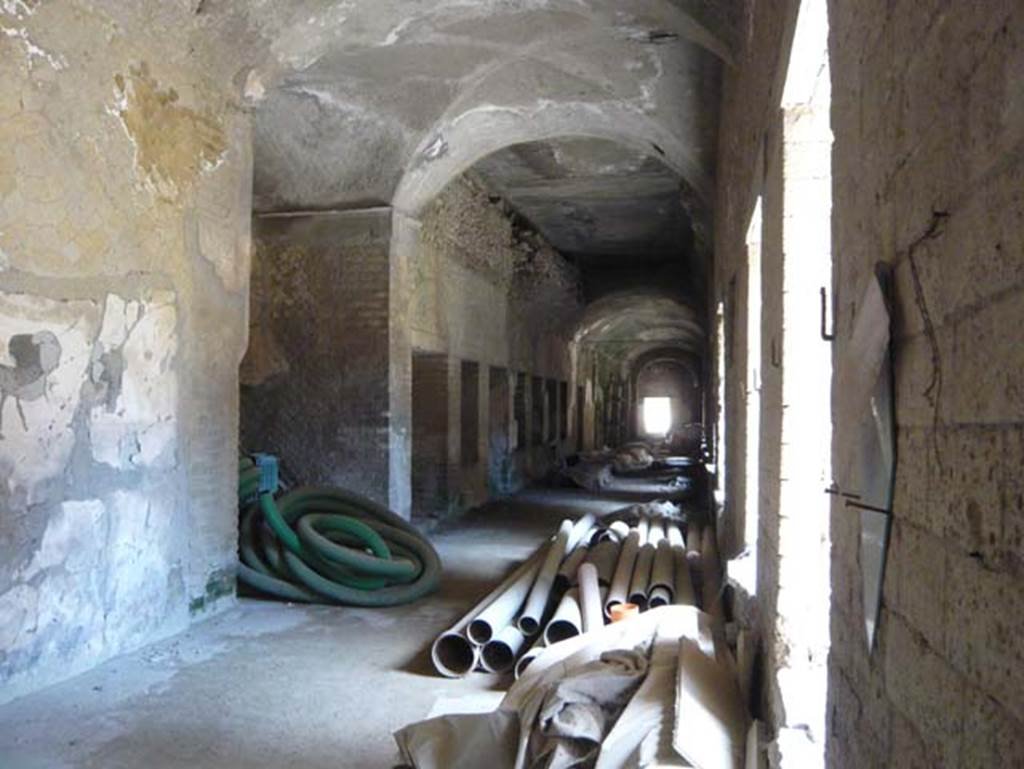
(850, 500)
(838, 492)
(871, 508)
(824, 311)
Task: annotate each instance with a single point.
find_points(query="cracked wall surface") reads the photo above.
(124, 227)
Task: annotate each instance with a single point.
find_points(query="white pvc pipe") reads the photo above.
(640, 583)
(684, 593)
(590, 597)
(618, 592)
(662, 572)
(452, 653)
(540, 593)
(567, 620)
(604, 556)
(499, 654)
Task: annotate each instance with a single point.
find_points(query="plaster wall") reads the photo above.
(124, 262)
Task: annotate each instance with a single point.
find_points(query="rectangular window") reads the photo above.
(753, 389)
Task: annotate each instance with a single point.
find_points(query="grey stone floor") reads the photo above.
(279, 686)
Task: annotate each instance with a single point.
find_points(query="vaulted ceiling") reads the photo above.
(595, 120)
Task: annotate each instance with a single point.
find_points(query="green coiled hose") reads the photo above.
(329, 545)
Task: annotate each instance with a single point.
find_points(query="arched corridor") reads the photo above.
(489, 265)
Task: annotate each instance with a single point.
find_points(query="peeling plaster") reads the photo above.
(173, 144)
(133, 422)
(18, 8)
(33, 51)
(38, 443)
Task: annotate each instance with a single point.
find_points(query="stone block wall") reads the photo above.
(124, 262)
(750, 169)
(928, 129)
(928, 117)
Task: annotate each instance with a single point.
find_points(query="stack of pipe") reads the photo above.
(570, 585)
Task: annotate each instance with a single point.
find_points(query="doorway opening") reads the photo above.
(657, 415)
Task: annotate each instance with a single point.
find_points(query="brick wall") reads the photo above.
(480, 295)
(436, 433)
(316, 377)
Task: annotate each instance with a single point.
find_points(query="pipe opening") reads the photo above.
(497, 657)
(523, 663)
(453, 655)
(560, 630)
(480, 631)
(529, 625)
(660, 596)
(639, 599)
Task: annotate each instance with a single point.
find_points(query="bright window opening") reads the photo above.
(743, 570)
(720, 468)
(754, 369)
(804, 595)
(657, 415)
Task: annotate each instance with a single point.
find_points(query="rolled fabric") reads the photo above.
(590, 597)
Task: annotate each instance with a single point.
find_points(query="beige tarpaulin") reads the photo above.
(608, 695)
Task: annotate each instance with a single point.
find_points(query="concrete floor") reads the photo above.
(274, 685)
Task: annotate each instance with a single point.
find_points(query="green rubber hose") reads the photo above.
(329, 545)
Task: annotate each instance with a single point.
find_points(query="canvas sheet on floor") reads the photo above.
(604, 699)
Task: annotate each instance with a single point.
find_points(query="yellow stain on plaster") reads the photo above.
(173, 144)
